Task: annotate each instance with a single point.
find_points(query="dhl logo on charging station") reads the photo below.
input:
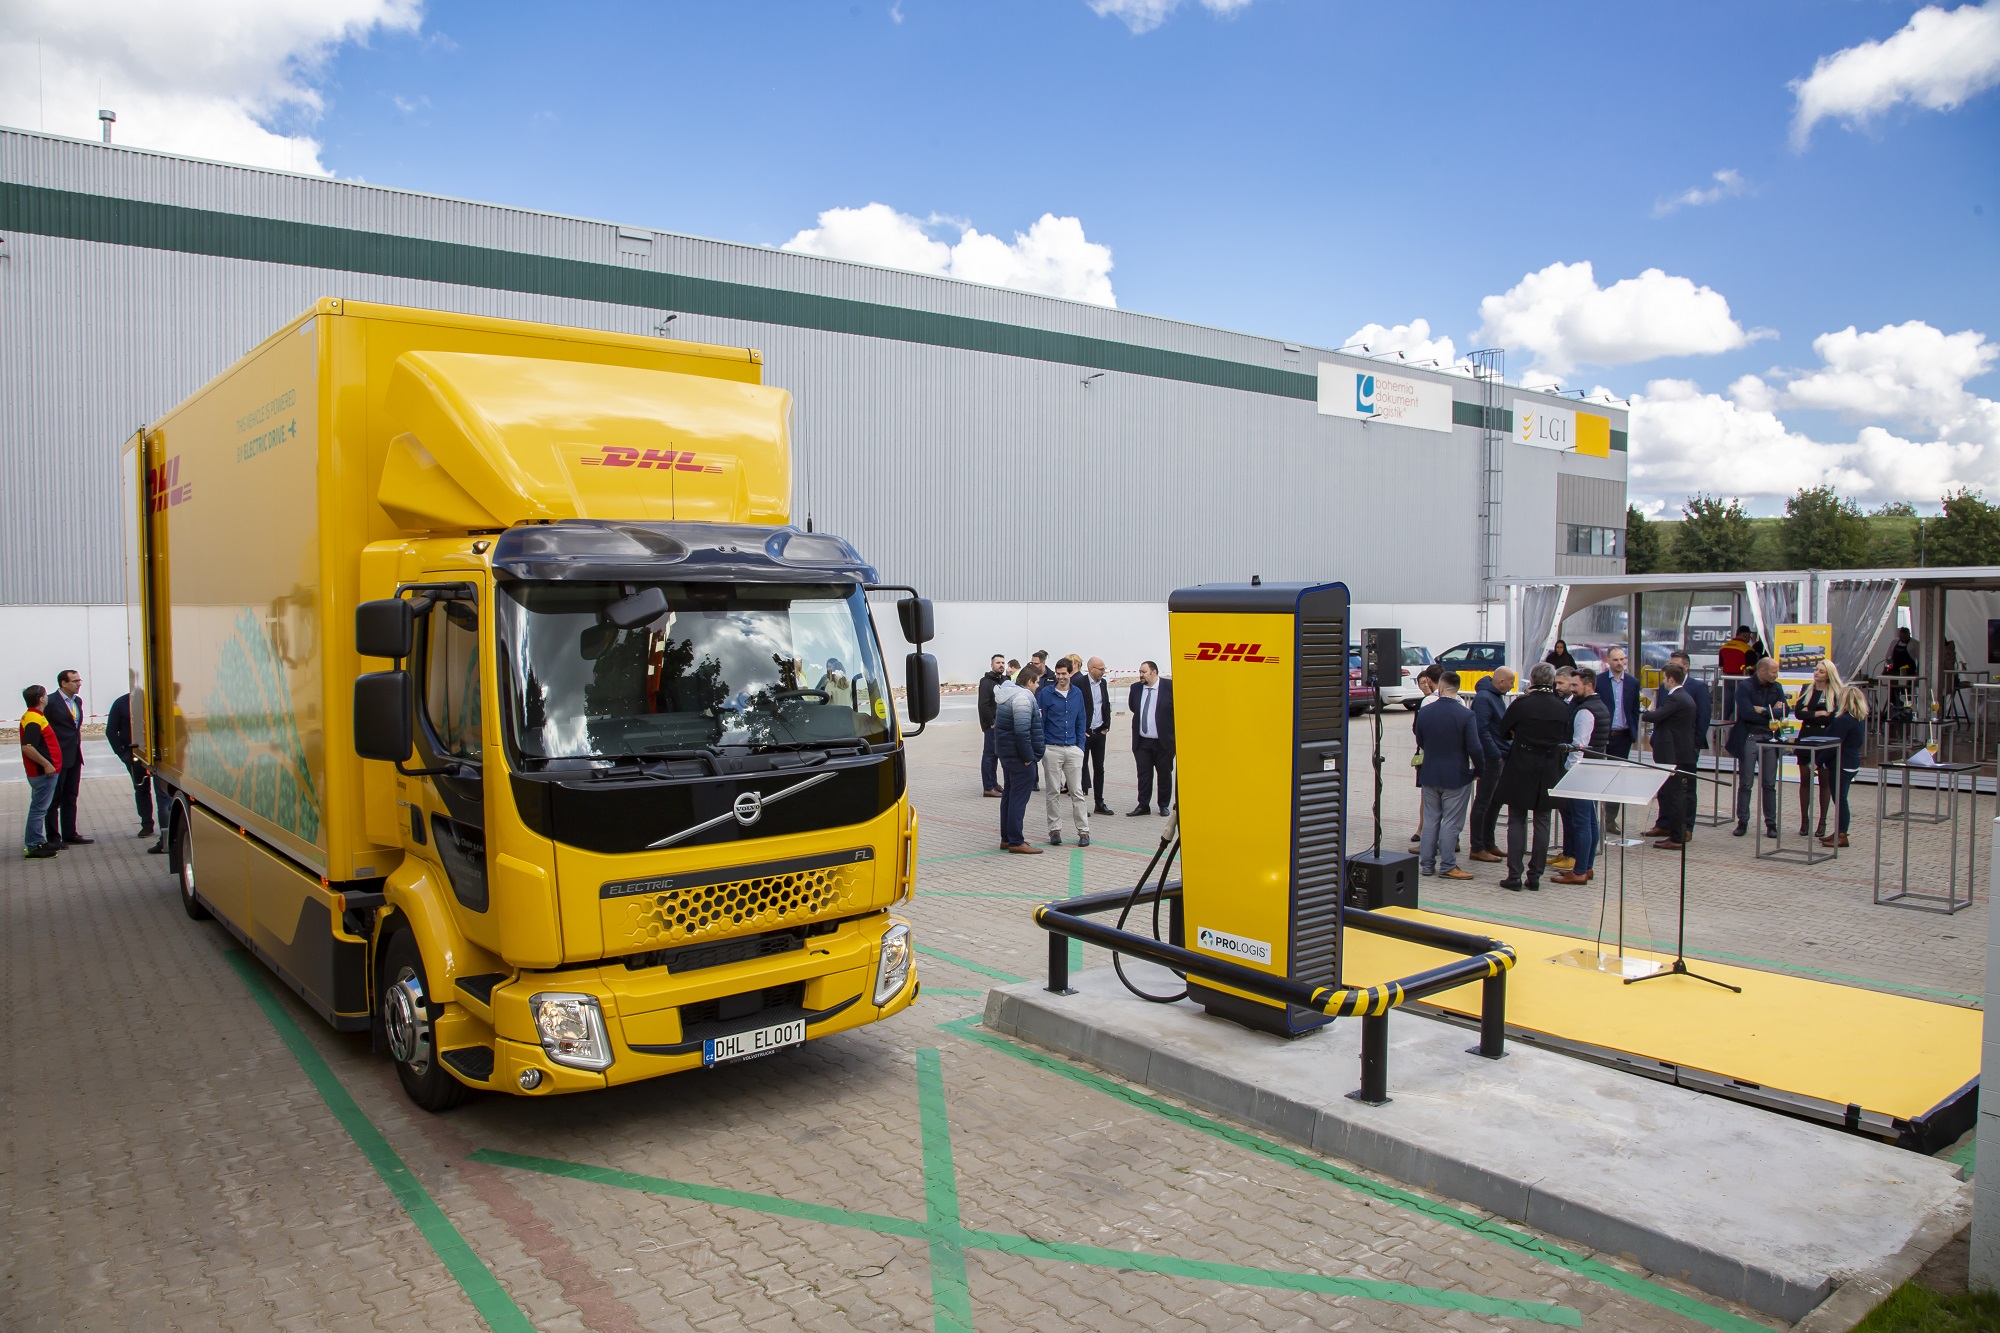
(1230, 652)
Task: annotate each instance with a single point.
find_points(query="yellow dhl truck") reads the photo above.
(503, 710)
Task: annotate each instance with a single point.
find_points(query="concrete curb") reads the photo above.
(1580, 1207)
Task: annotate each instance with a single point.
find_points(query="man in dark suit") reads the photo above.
(1673, 722)
(1097, 707)
(1697, 690)
(1152, 705)
(1619, 689)
(118, 735)
(65, 713)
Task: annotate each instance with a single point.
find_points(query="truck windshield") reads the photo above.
(771, 666)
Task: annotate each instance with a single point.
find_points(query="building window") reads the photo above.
(1585, 540)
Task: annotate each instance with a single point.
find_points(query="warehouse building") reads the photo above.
(1047, 470)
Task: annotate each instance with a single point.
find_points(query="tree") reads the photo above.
(1823, 531)
(1642, 543)
(1893, 509)
(1714, 537)
(1966, 533)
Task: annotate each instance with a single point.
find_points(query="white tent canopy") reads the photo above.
(1859, 603)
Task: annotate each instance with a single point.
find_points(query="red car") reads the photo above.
(1360, 697)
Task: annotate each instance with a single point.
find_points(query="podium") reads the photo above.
(1613, 782)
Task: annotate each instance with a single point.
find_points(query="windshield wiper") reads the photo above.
(707, 754)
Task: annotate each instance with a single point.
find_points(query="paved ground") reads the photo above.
(188, 1147)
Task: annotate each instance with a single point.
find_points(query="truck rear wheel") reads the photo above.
(407, 1016)
(184, 869)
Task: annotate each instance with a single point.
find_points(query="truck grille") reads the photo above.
(691, 911)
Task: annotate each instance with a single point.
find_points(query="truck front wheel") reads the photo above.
(406, 1023)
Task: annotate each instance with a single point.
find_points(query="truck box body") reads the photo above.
(488, 469)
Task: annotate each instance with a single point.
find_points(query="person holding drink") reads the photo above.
(1817, 704)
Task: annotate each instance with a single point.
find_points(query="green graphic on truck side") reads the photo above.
(250, 751)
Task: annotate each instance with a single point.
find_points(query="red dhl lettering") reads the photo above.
(1231, 652)
(164, 487)
(660, 460)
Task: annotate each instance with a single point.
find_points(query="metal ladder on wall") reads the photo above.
(1489, 368)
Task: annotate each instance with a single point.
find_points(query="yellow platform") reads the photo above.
(1885, 1064)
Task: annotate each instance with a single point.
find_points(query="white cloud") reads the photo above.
(1685, 440)
(1413, 340)
(1053, 258)
(209, 78)
(1729, 183)
(1936, 60)
(1908, 372)
(1564, 319)
(1145, 15)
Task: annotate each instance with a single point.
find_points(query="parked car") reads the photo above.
(1473, 661)
(1415, 659)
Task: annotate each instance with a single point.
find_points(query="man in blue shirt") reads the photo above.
(1065, 730)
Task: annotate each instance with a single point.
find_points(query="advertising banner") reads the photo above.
(1708, 628)
(1372, 395)
(1801, 648)
(1542, 425)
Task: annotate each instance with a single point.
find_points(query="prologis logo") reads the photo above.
(663, 460)
(1230, 652)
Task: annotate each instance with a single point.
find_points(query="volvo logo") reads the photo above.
(746, 809)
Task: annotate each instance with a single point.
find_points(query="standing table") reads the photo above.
(1807, 749)
(1948, 780)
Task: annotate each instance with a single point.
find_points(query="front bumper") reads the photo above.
(656, 1020)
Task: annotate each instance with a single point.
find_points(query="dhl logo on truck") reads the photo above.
(618, 455)
(1230, 652)
(164, 487)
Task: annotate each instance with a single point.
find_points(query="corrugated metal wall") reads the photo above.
(980, 476)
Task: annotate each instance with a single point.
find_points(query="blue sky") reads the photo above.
(1291, 168)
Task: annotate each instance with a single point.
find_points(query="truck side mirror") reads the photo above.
(920, 684)
(382, 713)
(384, 628)
(919, 624)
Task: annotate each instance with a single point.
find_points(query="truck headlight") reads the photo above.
(894, 968)
(572, 1029)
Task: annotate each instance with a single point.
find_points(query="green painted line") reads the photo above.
(1401, 1293)
(951, 1298)
(1965, 1157)
(959, 856)
(1076, 891)
(946, 990)
(968, 964)
(1604, 1274)
(709, 1194)
(1767, 964)
(1120, 847)
(474, 1278)
(943, 1230)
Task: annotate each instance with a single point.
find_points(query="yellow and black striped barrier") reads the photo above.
(1487, 961)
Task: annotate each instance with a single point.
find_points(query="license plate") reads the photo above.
(750, 1045)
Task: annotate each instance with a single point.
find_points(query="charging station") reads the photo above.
(1260, 711)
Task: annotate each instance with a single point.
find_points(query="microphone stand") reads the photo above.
(1679, 967)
